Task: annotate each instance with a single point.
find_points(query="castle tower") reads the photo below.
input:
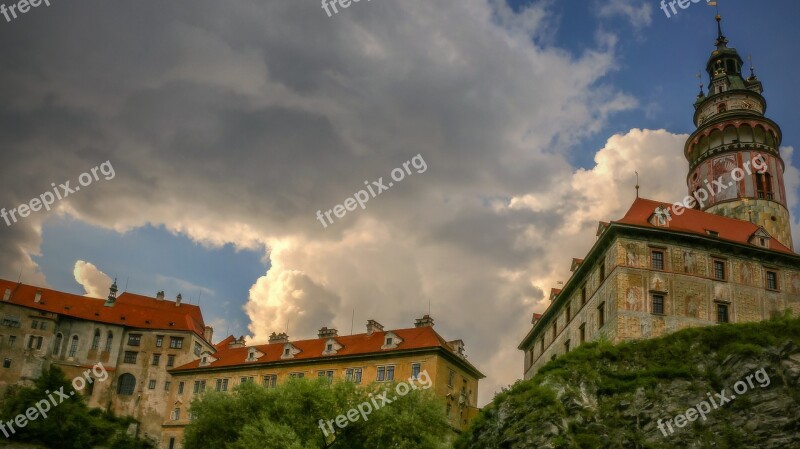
(734, 153)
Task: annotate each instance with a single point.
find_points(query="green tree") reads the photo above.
(69, 424)
(253, 417)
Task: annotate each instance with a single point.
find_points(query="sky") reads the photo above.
(218, 129)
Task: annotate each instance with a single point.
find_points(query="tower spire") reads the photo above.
(722, 41)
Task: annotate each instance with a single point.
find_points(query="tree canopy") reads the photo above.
(293, 416)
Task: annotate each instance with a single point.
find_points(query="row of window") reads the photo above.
(385, 373)
(720, 269)
(174, 342)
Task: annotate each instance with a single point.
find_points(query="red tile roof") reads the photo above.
(360, 344)
(130, 310)
(697, 222)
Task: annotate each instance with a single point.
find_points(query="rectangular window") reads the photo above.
(130, 357)
(569, 313)
(722, 313)
(34, 324)
(35, 342)
(270, 380)
(353, 375)
(180, 387)
(658, 304)
(171, 443)
(176, 414)
(175, 342)
(167, 384)
(657, 260)
(415, 369)
(583, 333)
(297, 375)
(601, 315)
(43, 325)
(247, 379)
(134, 339)
(566, 346)
(6, 363)
(381, 373)
(222, 384)
(555, 331)
(719, 270)
(451, 378)
(325, 374)
(152, 384)
(390, 373)
(11, 321)
(197, 387)
(11, 340)
(583, 295)
(156, 359)
(772, 280)
(159, 341)
(170, 360)
(602, 271)
(541, 346)
(197, 349)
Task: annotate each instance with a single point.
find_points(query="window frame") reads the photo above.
(654, 302)
(723, 306)
(715, 262)
(661, 259)
(777, 285)
(134, 340)
(601, 315)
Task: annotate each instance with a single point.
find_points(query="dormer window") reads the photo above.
(329, 347)
(712, 233)
(286, 351)
(391, 341)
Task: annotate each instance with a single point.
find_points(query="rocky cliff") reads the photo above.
(727, 386)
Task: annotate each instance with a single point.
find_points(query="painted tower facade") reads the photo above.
(732, 131)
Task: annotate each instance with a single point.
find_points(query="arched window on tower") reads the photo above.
(73, 346)
(721, 108)
(96, 340)
(109, 340)
(764, 186)
(127, 383)
(57, 344)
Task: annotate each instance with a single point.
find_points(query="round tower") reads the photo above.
(734, 153)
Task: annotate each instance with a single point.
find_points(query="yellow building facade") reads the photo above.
(379, 355)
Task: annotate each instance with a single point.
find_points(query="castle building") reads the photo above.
(136, 338)
(727, 258)
(375, 356)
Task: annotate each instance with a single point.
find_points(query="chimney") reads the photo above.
(208, 333)
(237, 343)
(373, 326)
(327, 333)
(279, 338)
(425, 321)
(178, 300)
(160, 295)
(38, 298)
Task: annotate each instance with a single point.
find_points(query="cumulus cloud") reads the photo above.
(94, 282)
(640, 14)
